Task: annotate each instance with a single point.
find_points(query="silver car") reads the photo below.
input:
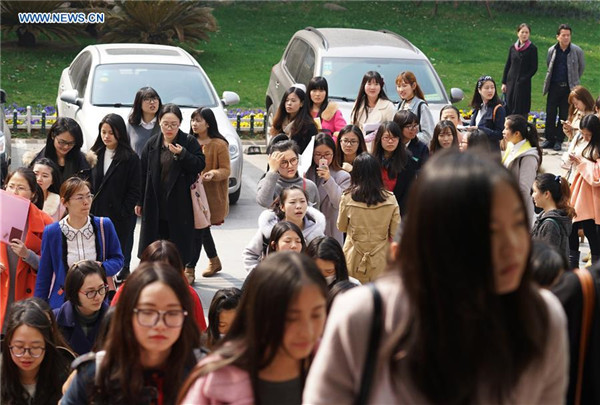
(343, 56)
(5, 147)
(104, 79)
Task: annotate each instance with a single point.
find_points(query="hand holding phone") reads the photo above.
(323, 163)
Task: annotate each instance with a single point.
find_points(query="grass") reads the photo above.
(462, 43)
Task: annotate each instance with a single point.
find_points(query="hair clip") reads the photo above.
(557, 179)
(482, 80)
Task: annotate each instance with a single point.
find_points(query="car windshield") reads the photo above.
(185, 86)
(344, 75)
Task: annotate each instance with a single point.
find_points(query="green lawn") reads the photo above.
(462, 43)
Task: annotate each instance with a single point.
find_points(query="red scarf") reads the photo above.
(522, 47)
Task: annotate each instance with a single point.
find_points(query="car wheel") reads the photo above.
(235, 196)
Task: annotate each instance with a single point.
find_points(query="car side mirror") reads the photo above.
(230, 98)
(2, 96)
(71, 97)
(456, 95)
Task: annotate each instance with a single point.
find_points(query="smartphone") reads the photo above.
(323, 163)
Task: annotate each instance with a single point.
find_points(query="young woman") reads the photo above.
(19, 260)
(369, 215)
(523, 155)
(329, 258)
(48, 178)
(166, 252)
(451, 113)
(585, 193)
(171, 161)
(283, 173)
(116, 182)
(488, 112)
(413, 100)
(285, 235)
(441, 287)
(215, 179)
(221, 314)
(351, 143)
(63, 147)
(80, 317)
(372, 105)
(35, 361)
(331, 182)
(581, 103)
(521, 65)
(409, 125)
(293, 118)
(266, 360)
(327, 112)
(398, 169)
(148, 352)
(445, 136)
(143, 121)
(291, 205)
(553, 225)
(78, 236)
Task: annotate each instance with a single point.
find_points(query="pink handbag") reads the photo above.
(200, 204)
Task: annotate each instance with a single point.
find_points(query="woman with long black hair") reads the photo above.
(488, 111)
(326, 112)
(293, 118)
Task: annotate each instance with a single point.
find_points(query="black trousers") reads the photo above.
(590, 230)
(557, 101)
(202, 237)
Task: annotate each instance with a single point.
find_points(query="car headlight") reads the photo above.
(2, 142)
(234, 151)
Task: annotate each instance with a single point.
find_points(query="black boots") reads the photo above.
(573, 259)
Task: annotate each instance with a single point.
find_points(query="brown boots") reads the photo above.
(214, 266)
(190, 275)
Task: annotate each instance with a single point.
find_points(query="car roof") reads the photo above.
(141, 53)
(340, 41)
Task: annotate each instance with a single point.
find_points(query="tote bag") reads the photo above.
(200, 204)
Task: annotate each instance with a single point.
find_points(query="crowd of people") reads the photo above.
(484, 310)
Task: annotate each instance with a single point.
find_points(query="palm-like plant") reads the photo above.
(28, 33)
(159, 22)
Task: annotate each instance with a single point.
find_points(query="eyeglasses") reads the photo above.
(324, 155)
(285, 163)
(412, 127)
(65, 143)
(92, 294)
(150, 100)
(349, 142)
(390, 139)
(34, 352)
(169, 125)
(18, 189)
(80, 198)
(149, 317)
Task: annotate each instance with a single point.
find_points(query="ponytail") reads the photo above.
(528, 131)
(559, 191)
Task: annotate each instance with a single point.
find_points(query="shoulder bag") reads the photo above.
(200, 204)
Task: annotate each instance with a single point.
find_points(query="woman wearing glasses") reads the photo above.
(409, 125)
(148, 351)
(283, 173)
(351, 143)
(63, 147)
(171, 162)
(78, 236)
(35, 361)
(331, 182)
(19, 260)
(79, 318)
(143, 120)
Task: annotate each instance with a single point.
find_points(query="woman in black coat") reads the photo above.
(116, 181)
(171, 162)
(521, 65)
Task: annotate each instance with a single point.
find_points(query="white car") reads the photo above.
(104, 79)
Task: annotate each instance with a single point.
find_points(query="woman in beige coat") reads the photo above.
(215, 178)
(369, 214)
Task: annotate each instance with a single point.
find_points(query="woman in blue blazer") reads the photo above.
(78, 236)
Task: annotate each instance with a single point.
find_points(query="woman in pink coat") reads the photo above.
(326, 112)
(585, 189)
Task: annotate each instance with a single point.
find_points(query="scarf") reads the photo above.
(521, 48)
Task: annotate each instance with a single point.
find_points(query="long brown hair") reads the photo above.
(582, 94)
(488, 339)
(411, 79)
(121, 372)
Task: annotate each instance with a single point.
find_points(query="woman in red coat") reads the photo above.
(19, 260)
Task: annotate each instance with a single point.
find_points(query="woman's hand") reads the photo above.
(503, 88)
(19, 248)
(574, 158)
(275, 159)
(323, 172)
(174, 148)
(347, 167)
(567, 125)
(138, 210)
(208, 176)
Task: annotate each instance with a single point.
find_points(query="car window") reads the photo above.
(307, 67)
(83, 76)
(344, 76)
(293, 57)
(186, 86)
(77, 69)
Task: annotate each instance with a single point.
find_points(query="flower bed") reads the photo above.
(539, 117)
